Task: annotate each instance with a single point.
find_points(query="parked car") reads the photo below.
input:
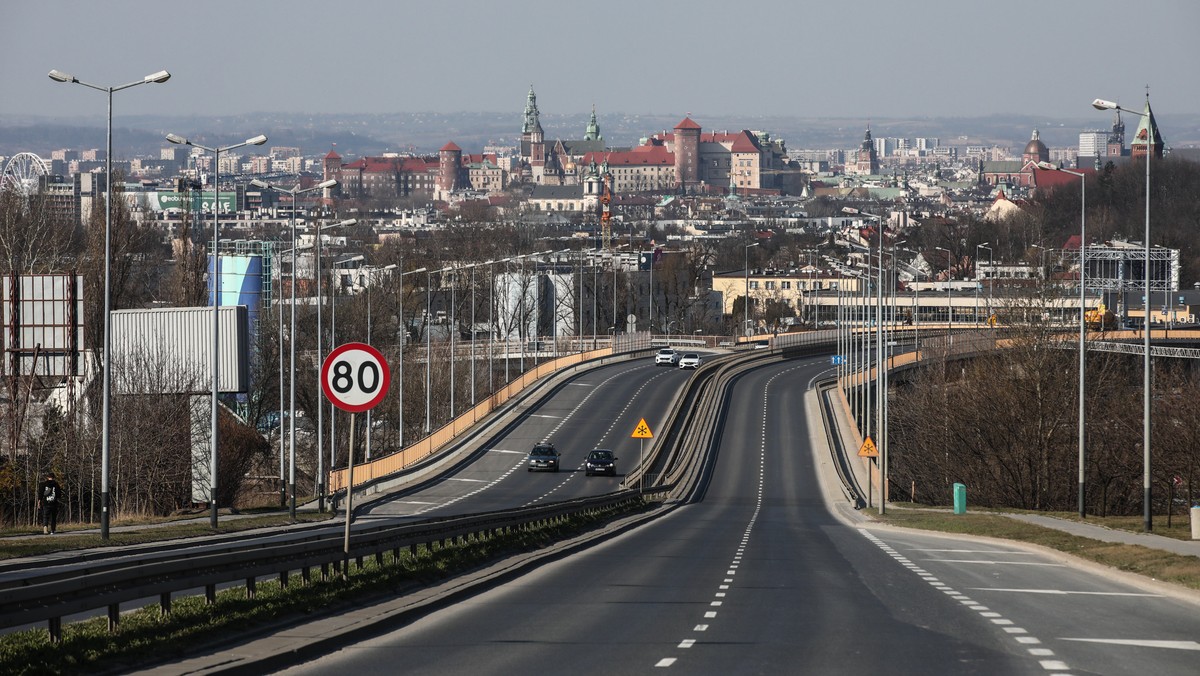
(600, 461)
(543, 456)
(666, 357)
(691, 360)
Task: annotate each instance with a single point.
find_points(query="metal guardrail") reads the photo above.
(109, 583)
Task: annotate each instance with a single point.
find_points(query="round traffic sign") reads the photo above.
(355, 377)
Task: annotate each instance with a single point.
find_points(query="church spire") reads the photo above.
(1147, 139)
(593, 128)
(532, 123)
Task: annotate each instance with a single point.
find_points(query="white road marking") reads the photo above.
(543, 415)
(687, 643)
(414, 502)
(1173, 645)
(701, 627)
(665, 662)
(710, 614)
(1000, 563)
(1063, 592)
(975, 551)
(501, 450)
(1057, 665)
(474, 481)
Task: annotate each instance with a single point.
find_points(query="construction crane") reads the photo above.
(606, 213)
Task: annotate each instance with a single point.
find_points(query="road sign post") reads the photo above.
(641, 433)
(355, 378)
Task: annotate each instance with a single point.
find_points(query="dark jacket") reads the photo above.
(49, 494)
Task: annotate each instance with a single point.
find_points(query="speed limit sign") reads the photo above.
(355, 377)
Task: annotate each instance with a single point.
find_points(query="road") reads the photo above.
(597, 409)
(760, 578)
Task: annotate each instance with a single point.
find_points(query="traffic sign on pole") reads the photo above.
(642, 431)
(355, 377)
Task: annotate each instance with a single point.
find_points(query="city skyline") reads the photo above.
(862, 61)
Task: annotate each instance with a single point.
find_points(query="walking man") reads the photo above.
(49, 495)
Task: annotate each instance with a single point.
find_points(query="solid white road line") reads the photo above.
(1173, 645)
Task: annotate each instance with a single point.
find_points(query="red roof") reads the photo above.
(1048, 178)
(333, 155)
(687, 124)
(646, 155)
(450, 146)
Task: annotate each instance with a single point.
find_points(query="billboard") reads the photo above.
(191, 201)
(169, 350)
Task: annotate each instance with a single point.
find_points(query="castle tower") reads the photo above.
(866, 160)
(533, 139)
(449, 163)
(331, 166)
(687, 153)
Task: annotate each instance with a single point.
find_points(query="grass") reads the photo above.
(145, 637)
(67, 540)
(1153, 563)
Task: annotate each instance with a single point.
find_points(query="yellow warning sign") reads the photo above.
(868, 449)
(642, 431)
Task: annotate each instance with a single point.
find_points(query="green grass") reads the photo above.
(67, 540)
(1153, 563)
(145, 637)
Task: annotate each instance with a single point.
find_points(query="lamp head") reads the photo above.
(1046, 166)
(849, 210)
(160, 76)
(984, 245)
(327, 184)
(59, 76)
(347, 222)
(176, 138)
(257, 140)
(1101, 104)
(260, 184)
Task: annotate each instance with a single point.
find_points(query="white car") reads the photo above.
(666, 357)
(690, 360)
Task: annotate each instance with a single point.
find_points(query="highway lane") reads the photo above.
(756, 578)
(595, 409)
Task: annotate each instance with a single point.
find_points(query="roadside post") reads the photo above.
(960, 498)
(355, 378)
(641, 433)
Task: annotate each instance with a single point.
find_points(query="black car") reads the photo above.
(600, 461)
(543, 456)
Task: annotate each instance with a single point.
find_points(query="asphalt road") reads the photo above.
(759, 578)
(597, 409)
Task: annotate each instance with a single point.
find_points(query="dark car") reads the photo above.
(543, 456)
(600, 461)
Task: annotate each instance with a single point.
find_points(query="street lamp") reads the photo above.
(746, 298)
(320, 403)
(216, 289)
(977, 248)
(429, 345)
(400, 437)
(1147, 517)
(991, 274)
(1082, 317)
(949, 310)
(293, 193)
(106, 374)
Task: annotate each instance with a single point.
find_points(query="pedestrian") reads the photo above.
(48, 496)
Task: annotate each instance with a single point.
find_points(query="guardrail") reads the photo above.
(109, 583)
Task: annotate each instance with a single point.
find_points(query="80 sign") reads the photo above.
(355, 377)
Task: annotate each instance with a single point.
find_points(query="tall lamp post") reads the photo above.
(991, 274)
(293, 194)
(216, 290)
(977, 248)
(429, 346)
(320, 358)
(400, 435)
(1147, 517)
(746, 298)
(949, 310)
(106, 373)
(1082, 319)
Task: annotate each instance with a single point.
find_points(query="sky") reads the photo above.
(861, 59)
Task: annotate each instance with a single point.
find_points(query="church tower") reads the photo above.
(687, 154)
(1147, 140)
(866, 161)
(1035, 151)
(593, 129)
(533, 139)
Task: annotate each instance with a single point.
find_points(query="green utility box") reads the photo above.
(960, 498)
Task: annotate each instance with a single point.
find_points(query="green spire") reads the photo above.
(593, 129)
(531, 114)
(1147, 136)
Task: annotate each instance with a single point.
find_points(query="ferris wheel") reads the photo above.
(22, 173)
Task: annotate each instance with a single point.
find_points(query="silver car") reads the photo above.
(543, 457)
(690, 360)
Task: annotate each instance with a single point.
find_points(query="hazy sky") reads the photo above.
(861, 59)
